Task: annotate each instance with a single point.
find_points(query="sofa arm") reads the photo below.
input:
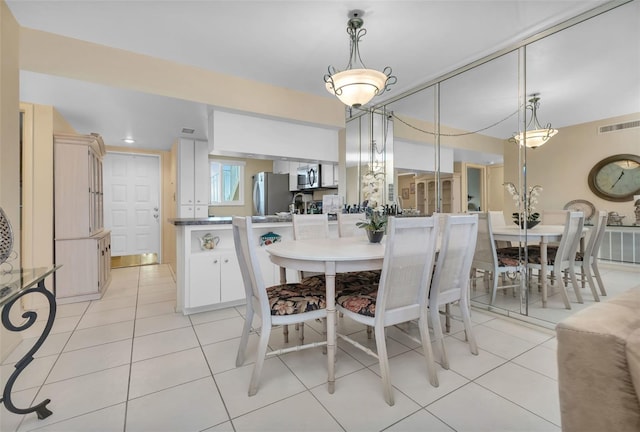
(597, 351)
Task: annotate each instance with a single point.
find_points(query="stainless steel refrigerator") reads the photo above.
(270, 193)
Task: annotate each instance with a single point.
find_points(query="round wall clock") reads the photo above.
(616, 178)
(583, 206)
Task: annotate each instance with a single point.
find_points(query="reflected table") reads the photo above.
(14, 285)
(542, 234)
(330, 256)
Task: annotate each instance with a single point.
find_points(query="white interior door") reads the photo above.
(132, 203)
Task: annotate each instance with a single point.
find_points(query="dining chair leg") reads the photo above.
(466, 319)
(301, 334)
(383, 359)
(596, 271)
(244, 339)
(590, 281)
(423, 325)
(369, 331)
(440, 352)
(285, 333)
(576, 287)
(261, 353)
(565, 296)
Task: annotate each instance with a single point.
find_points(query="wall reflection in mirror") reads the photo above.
(453, 147)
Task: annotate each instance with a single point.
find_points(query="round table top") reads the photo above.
(328, 249)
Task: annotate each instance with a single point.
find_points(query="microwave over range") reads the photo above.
(309, 176)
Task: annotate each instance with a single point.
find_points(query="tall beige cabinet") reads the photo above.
(426, 194)
(82, 245)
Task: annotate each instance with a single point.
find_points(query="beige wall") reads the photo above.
(562, 165)
(9, 145)
(252, 167)
(58, 55)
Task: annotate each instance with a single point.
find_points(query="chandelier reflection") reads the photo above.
(535, 135)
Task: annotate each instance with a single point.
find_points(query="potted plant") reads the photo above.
(525, 205)
(375, 224)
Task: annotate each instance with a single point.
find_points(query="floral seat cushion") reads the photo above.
(294, 298)
(345, 282)
(512, 253)
(508, 256)
(579, 255)
(362, 302)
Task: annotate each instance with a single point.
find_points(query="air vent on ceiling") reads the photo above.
(619, 127)
(188, 131)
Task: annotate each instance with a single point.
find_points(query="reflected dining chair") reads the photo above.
(401, 294)
(347, 224)
(587, 260)
(450, 281)
(497, 220)
(562, 257)
(276, 305)
(485, 257)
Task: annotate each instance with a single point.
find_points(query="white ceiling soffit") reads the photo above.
(290, 44)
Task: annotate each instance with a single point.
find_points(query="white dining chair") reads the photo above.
(587, 260)
(401, 294)
(562, 257)
(450, 281)
(276, 305)
(498, 220)
(310, 226)
(486, 259)
(347, 224)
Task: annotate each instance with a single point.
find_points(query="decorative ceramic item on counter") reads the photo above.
(269, 238)
(6, 237)
(209, 241)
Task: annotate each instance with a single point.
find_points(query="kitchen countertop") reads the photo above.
(226, 220)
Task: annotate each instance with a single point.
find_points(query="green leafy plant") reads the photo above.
(376, 220)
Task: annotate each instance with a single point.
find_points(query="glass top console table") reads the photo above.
(14, 285)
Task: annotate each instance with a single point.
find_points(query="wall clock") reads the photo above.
(616, 178)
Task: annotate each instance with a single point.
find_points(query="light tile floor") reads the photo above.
(129, 363)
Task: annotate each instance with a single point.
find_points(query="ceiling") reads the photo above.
(291, 43)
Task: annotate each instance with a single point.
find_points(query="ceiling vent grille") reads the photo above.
(188, 131)
(618, 127)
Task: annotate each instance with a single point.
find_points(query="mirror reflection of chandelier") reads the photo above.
(535, 135)
(356, 85)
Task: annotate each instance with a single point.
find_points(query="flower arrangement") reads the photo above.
(525, 204)
(376, 220)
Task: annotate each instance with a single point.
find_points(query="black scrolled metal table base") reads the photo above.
(41, 409)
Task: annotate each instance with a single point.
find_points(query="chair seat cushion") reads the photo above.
(508, 256)
(345, 282)
(512, 253)
(579, 255)
(295, 298)
(362, 302)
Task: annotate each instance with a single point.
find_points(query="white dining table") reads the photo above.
(542, 234)
(330, 256)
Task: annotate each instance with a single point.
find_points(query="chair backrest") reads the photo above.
(570, 240)
(347, 224)
(451, 276)
(484, 256)
(554, 217)
(497, 219)
(311, 226)
(254, 288)
(406, 270)
(596, 234)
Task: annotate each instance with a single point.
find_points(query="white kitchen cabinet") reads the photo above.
(329, 175)
(215, 278)
(293, 176)
(193, 178)
(281, 166)
(81, 244)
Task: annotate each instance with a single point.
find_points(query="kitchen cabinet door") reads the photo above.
(204, 287)
(293, 176)
(231, 284)
(201, 173)
(186, 186)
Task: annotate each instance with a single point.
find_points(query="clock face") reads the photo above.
(616, 178)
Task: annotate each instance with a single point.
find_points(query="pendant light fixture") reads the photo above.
(535, 135)
(356, 85)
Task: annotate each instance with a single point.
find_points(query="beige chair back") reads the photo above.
(310, 226)
(347, 224)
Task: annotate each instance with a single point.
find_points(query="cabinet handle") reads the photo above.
(226, 260)
(215, 261)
